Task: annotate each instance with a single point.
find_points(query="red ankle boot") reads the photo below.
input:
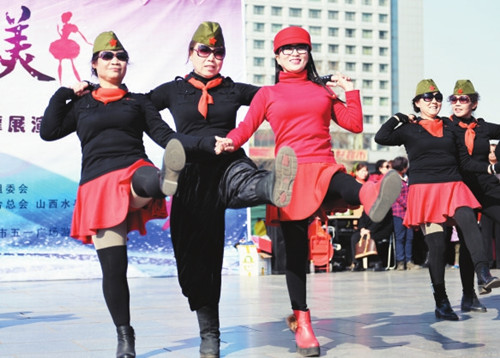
(377, 198)
(307, 344)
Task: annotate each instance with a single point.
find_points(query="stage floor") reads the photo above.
(355, 314)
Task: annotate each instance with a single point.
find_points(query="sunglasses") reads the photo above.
(108, 55)
(461, 99)
(428, 97)
(287, 50)
(205, 51)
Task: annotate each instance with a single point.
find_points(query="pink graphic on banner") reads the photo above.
(15, 51)
(65, 48)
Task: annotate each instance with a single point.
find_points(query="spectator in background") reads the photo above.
(382, 166)
(403, 234)
(360, 172)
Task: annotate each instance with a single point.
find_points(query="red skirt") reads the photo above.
(104, 202)
(309, 190)
(437, 202)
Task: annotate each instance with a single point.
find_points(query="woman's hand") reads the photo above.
(81, 88)
(223, 145)
(342, 81)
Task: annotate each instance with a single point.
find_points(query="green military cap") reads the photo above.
(464, 87)
(107, 41)
(209, 33)
(426, 86)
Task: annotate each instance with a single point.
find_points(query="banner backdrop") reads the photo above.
(46, 44)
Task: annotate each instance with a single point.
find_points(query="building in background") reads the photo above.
(378, 43)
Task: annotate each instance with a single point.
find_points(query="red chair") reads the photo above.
(320, 245)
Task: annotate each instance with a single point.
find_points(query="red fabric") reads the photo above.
(437, 202)
(300, 112)
(106, 95)
(433, 126)
(291, 35)
(469, 135)
(104, 203)
(205, 98)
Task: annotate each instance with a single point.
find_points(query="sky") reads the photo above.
(462, 41)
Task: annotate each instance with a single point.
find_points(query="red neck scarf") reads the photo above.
(469, 134)
(106, 95)
(205, 98)
(433, 126)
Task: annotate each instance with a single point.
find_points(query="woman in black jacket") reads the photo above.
(120, 189)
(437, 195)
(206, 103)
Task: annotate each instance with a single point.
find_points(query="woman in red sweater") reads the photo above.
(299, 109)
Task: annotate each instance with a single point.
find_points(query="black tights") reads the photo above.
(297, 252)
(114, 264)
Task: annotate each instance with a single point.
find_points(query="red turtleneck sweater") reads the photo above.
(299, 112)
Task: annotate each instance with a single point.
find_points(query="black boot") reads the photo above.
(208, 320)
(444, 310)
(485, 281)
(174, 159)
(126, 342)
(470, 302)
(276, 187)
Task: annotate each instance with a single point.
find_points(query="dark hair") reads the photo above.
(379, 163)
(399, 164)
(415, 100)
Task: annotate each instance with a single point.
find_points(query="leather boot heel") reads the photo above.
(126, 342)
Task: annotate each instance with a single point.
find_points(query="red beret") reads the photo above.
(291, 35)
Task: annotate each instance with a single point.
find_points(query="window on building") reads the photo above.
(382, 2)
(367, 101)
(333, 66)
(276, 10)
(258, 26)
(383, 18)
(350, 66)
(259, 79)
(367, 84)
(367, 67)
(383, 51)
(258, 61)
(368, 119)
(383, 35)
(333, 1)
(367, 50)
(383, 119)
(383, 67)
(315, 30)
(258, 10)
(384, 85)
(333, 48)
(314, 14)
(258, 44)
(275, 28)
(350, 50)
(333, 31)
(367, 2)
(295, 12)
(333, 15)
(350, 16)
(366, 17)
(367, 34)
(350, 32)
(368, 140)
(383, 101)
(316, 48)
(349, 2)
